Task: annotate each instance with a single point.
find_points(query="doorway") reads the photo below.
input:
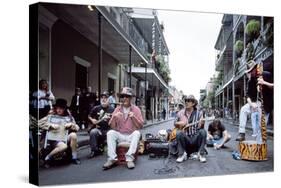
(81, 76)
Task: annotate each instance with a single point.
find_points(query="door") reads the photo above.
(81, 76)
(111, 84)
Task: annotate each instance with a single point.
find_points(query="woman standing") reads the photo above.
(42, 100)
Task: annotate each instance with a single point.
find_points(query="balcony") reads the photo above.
(124, 25)
(219, 60)
(128, 26)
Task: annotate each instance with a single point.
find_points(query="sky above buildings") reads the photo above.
(191, 38)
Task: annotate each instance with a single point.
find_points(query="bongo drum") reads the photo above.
(253, 151)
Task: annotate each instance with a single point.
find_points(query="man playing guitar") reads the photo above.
(191, 136)
(99, 117)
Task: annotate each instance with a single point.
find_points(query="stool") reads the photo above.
(122, 149)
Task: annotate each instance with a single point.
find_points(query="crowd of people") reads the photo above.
(109, 122)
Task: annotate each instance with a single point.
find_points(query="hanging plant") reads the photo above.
(236, 66)
(253, 29)
(249, 52)
(267, 36)
(238, 47)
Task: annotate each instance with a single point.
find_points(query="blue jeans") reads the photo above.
(256, 119)
(211, 142)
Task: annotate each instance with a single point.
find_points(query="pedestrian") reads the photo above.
(60, 111)
(99, 117)
(125, 122)
(253, 106)
(191, 136)
(76, 106)
(217, 135)
(164, 113)
(42, 100)
(112, 99)
(97, 101)
(88, 104)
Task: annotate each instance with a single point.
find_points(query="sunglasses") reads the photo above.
(189, 100)
(125, 96)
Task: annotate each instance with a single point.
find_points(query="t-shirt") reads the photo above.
(216, 131)
(267, 92)
(98, 112)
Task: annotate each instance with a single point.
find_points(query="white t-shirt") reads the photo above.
(126, 111)
(42, 102)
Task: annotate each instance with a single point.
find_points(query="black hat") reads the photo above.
(62, 103)
(105, 93)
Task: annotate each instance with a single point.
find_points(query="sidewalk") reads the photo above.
(269, 128)
(83, 135)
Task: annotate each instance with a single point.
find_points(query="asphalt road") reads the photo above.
(219, 162)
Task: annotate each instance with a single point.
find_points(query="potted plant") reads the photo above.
(238, 47)
(253, 29)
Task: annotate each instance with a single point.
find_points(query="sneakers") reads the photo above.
(202, 159)
(182, 158)
(75, 161)
(109, 164)
(130, 164)
(240, 137)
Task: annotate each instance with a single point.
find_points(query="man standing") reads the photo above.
(253, 105)
(99, 117)
(112, 100)
(76, 106)
(125, 122)
(192, 137)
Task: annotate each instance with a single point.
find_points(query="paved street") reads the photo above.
(219, 162)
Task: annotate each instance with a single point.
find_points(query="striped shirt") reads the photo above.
(190, 118)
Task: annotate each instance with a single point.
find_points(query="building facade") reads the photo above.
(236, 46)
(81, 46)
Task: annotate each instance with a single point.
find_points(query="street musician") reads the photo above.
(190, 134)
(99, 117)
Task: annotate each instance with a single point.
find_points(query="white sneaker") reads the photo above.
(182, 158)
(202, 159)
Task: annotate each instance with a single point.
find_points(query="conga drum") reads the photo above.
(253, 151)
